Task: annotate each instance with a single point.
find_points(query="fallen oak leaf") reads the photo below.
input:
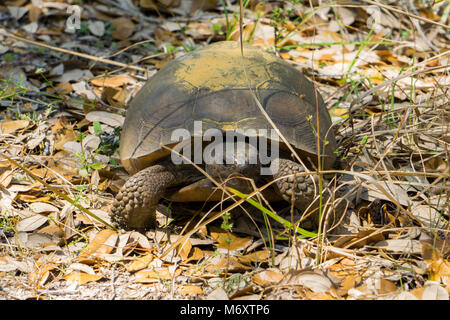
(197, 254)
(112, 81)
(102, 243)
(140, 263)
(31, 223)
(81, 278)
(191, 290)
(267, 278)
(7, 127)
(312, 280)
(256, 257)
(150, 276)
(184, 249)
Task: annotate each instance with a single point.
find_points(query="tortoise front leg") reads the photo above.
(135, 205)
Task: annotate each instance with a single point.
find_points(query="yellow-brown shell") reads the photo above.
(213, 85)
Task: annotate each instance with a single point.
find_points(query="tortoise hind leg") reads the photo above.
(135, 205)
(301, 188)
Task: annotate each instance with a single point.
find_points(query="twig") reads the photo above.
(82, 55)
(374, 89)
(391, 8)
(419, 28)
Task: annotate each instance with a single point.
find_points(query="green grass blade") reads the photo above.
(271, 214)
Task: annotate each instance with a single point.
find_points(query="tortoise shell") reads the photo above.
(213, 85)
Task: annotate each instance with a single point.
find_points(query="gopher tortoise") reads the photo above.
(224, 91)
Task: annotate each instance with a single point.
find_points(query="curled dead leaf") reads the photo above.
(140, 263)
(314, 281)
(230, 241)
(267, 278)
(103, 242)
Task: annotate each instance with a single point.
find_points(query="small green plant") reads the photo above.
(9, 57)
(190, 46)
(97, 128)
(86, 161)
(217, 28)
(170, 48)
(84, 29)
(109, 28)
(278, 17)
(226, 225)
(6, 223)
(231, 22)
(405, 34)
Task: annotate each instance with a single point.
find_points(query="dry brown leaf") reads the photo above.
(401, 246)
(140, 263)
(191, 290)
(121, 97)
(7, 264)
(230, 241)
(267, 278)
(34, 13)
(7, 127)
(184, 249)
(62, 88)
(433, 291)
(81, 278)
(31, 198)
(347, 283)
(438, 268)
(395, 191)
(149, 276)
(103, 242)
(354, 241)
(112, 81)
(429, 216)
(31, 223)
(41, 207)
(53, 229)
(217, 294)
(196, 255)
(36, 187)
(124, 28)
(108, 118)
(314, 281)
(230, 264)
(255, 257)
(385, 286)
(6, 178)
(319, 296)
(16, 3)
(40, 273)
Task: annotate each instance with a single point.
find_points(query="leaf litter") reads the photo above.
(63, 103)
